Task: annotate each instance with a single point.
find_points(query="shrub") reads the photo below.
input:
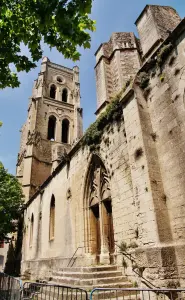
(143, 80)
(162, 77)
(163, 54)
(112, 113)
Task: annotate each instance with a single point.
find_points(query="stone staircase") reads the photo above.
(91, 277)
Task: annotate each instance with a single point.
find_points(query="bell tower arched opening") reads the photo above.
(64, 95)
(65, 131)
(51, 128)
(99, 233)
(53, 91)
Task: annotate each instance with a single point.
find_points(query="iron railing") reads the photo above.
(10, 287)
(73, 257)
(137, 294)
(42, 291)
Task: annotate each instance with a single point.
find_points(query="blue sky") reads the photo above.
(111, 16)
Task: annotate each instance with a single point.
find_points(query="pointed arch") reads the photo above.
(98, 220)
(65, 131)
(51, 128)
(52, 218)
(90, 187)
(53, 90)
(31, 229)
(64, 95)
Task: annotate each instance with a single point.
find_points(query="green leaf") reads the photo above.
(64, 25)
(11, 202)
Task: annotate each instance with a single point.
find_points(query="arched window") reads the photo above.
(31, 229)
(51, 128)
(65, 131)
(52, 219)
(64, 95)
(53, 91)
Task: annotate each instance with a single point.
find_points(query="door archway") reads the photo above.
(99, 232)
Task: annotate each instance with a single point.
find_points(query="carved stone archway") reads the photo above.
(99, 233)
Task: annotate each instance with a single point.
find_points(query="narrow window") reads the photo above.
(65, 131)
(31, 229)
(64, 95)
(52, 219)
(53, 91)
(51, 128)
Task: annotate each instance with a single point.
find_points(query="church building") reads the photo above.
(119, 187)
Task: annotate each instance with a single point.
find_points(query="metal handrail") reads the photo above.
(73, 255)
(144, 292)
(10, 287)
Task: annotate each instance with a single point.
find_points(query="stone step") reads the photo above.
(87, 275)
(122, 284)
(89, 269)
(88, 282)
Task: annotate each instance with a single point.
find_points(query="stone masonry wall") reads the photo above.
(114, 153)
(167, 113)
(144, 157)
(155, 24)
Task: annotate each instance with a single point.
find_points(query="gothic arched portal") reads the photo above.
(99, 233)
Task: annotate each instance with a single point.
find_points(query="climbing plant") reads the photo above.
(163, 54)
(112, 113)
(94, 132)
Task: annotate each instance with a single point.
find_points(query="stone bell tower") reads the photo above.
(53, 125)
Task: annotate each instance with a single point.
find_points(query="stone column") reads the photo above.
(104, 257)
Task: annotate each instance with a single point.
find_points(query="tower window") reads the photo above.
(53, 91)
(51, 128)
(52, 219)
(64, 95)
(31, 229)
(65, 131)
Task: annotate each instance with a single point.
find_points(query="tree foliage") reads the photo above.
(63, 24)
(11, 203)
